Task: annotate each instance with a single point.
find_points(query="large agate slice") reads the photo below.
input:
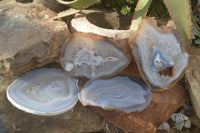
(92, 56)
(44, 92)
(121, 92)
(159, 55)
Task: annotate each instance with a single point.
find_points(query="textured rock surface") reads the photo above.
(28, 37)
(52, 4)
(79, 119)
(193, 79)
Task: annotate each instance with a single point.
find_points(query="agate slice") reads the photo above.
(158, 54)
(92, 56)
(123, 93)
(44, 92)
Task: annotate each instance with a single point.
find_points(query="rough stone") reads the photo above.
(28, 37)
(163, 104)
(192, 77)
(52, 4)
(12, 120)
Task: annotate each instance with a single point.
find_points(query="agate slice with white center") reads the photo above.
(44, 92)
(123, 93)
(92, 56)
(158, 54)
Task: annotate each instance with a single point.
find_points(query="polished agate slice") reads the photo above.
(121, 92)
(159, 55)
(92, 56)
(44, 92)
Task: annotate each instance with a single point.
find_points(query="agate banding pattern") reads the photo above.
(92, 56)
(123, 93)
(44, 92)
(159, 55)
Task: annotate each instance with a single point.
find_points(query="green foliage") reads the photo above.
(76, 6)
(180, 11)
(180, 121)
(158, 9)
(65, 13)
(196, 35)
(140, 12)
(125, 10)
(124, 7)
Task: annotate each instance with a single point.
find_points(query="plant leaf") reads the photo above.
(165, 126)
(197, 41)
(173, 116)
(65, 13)
(78, 4)
(196, 31)
(140, 12)
(179, 125)
(180, 11)
(187, 124)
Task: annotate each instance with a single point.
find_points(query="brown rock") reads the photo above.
(192, 77)
(28, 37)
(163, 104)
(12, 120)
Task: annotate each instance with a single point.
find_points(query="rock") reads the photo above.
(52, 4)
(192, 78)
(110, 128)
(163, 104)
(3, 128)
(28, 37)
(77, 120)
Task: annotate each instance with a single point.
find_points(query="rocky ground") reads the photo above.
(30, 39)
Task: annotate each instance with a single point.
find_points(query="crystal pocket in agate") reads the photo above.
(158, 54)
(123, 93)
(92, 56)
(44, 92)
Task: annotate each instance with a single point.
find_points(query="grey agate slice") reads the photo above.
(92, 56)
(44, 92)
(159, 55)
(123, 93)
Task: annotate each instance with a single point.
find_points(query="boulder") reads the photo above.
(162, 105)
(28, 37)
(192, 78)
(12, 120)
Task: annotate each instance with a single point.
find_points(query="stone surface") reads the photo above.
(163, 104)
(12, 120)
(192, 77)
(52, 4)
(28, 37)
